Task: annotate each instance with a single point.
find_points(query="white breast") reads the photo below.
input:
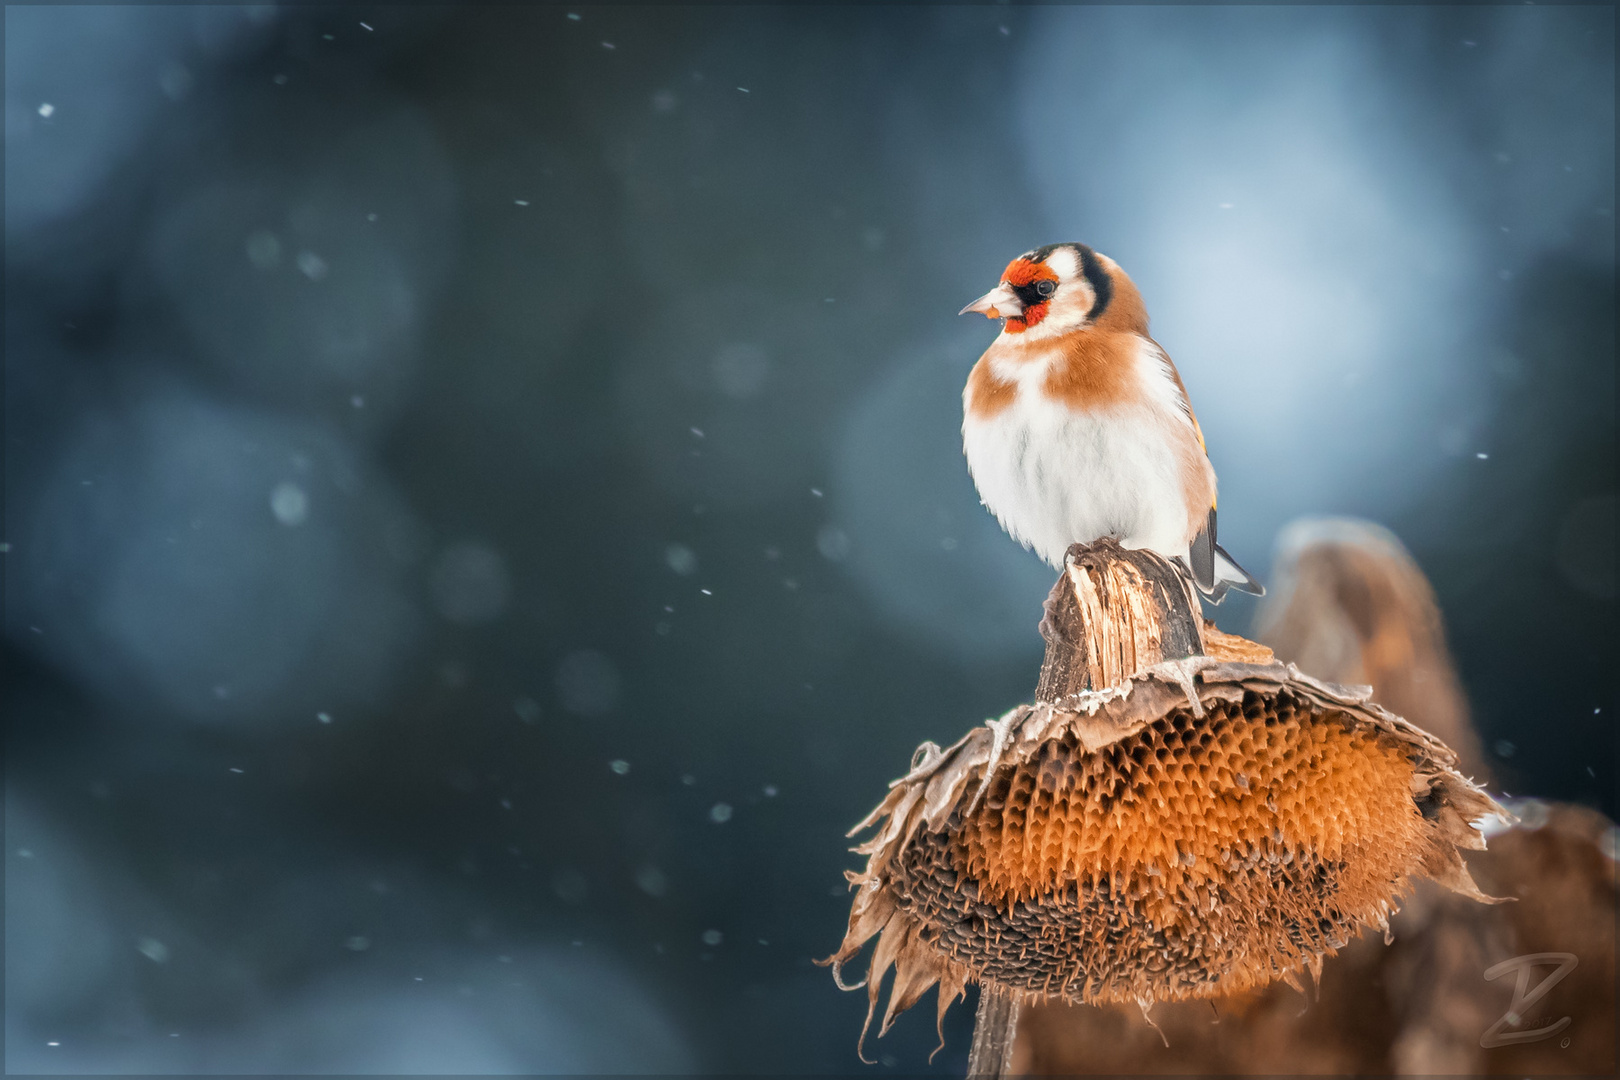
(1054, 476)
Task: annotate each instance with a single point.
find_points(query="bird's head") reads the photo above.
(1056, 288)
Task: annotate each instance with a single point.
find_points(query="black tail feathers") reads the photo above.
(1214, 571)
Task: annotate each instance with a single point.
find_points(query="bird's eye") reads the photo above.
(1046, 288)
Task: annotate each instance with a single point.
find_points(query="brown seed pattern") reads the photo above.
(1199, 856)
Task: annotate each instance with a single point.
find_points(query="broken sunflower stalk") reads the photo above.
(1176, 816)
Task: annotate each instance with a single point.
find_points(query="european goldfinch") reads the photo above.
(1077, 426)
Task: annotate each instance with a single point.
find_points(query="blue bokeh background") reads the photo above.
(484, 509)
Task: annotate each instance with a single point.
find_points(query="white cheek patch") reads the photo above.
(1065, 263)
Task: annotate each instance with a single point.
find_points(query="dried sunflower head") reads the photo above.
(1206, 827)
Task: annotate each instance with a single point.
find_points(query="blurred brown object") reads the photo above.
(1348, 605)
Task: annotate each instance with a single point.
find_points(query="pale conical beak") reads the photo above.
(999, 303)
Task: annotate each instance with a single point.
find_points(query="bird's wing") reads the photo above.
(1182, 399)
(1185, 402)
